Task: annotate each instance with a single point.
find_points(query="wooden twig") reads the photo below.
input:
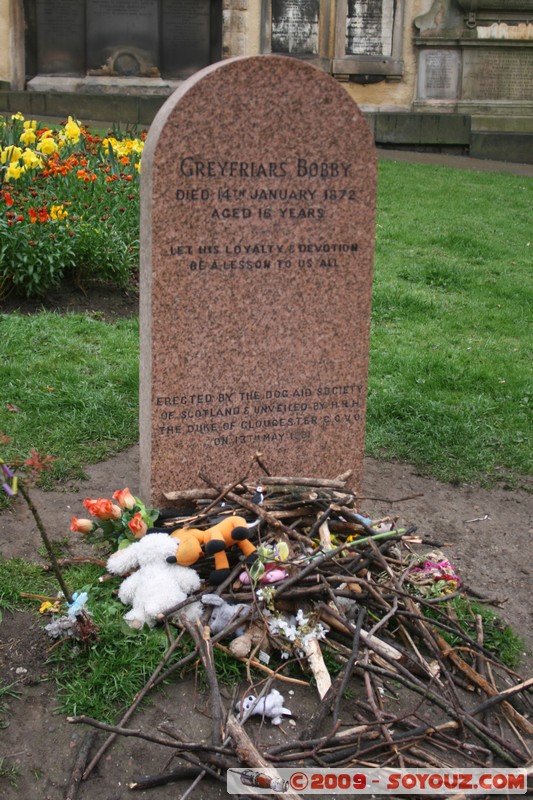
(319, 483)
(350, 664)
(247, 751)
(522, 722)
(46, 541)
(151, 781)
(202, 638)
(82, 755)
(259, 665)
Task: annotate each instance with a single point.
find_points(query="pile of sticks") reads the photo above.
(459, 705)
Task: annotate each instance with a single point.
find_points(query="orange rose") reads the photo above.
(124, 498)
(137, 525)
(103, 509)
(82, 525)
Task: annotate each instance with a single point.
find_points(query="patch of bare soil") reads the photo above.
(486, 534)
(105, 303)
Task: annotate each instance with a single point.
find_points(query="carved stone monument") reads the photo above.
(257, 230)
(477, 56)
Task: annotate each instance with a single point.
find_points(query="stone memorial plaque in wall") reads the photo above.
(369, 27)
(185, 36)
(438, 74)
(491, 73)
(257, 230)
(295, 26)
(123, 37)
(60, 37)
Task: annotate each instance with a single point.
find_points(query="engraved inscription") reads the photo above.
(439, 74)
(254, 417)
(497, 74)
(295, 26)
(261, 201)
(369, 25)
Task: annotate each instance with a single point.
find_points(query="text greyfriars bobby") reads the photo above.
(191, 167)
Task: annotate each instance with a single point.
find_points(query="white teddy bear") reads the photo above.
(157, 585)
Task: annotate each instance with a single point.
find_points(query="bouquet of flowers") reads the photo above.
(119, 522)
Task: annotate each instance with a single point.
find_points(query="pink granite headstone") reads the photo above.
(257, 232)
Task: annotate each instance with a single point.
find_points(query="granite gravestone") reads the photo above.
(257, 230)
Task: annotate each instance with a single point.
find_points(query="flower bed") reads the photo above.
(69, 203)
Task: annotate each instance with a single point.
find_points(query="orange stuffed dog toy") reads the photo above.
(194, 543)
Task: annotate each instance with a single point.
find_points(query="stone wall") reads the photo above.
(403, 57)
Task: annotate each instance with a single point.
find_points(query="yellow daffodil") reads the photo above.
(31, 159)
(18, 115)
(47, 146)
(31, 123)
(14, 171)
(58, 212)
(72, 131)
(28, 136)
(10, 154)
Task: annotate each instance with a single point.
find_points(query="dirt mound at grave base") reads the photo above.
(484, 533)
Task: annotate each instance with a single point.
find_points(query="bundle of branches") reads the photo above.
(365, 617)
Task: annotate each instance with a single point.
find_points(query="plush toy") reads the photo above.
(223, 613)
(194, 543)
(156, 586)
(270, 706)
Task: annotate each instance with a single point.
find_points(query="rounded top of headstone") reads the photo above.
(280, 97)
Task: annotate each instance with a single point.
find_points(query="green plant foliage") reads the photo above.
(69, 205)
(498, 637)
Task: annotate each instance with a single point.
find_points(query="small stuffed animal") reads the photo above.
(156, 586)
(270, 706)
(215, 541)
(224, 612)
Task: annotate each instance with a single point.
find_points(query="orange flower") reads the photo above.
(81, 525)
(137, 525)
(32, 215)
(102, 508)
(124, 498)
(9, 200)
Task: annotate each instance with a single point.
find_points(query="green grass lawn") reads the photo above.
(450, 368)
(450, 374)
